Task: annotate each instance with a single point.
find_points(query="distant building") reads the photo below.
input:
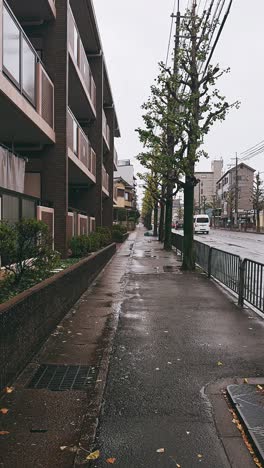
(124, 194)
(126, 170)
(232, 185)
(205, 190)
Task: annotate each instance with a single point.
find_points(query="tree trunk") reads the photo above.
(161, 223)
(188, 244)
(258, 222)
(155, 230)
(168, 217)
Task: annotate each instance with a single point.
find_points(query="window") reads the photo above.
(120, 193)
(75, 43)
(11, 46)
(126, 196)
(28, 70)
(75, 138)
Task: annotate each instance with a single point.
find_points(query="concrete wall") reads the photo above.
(28, 319)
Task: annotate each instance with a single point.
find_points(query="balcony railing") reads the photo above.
(80, 59)
(80, 145)
(105, 179)
(22, 65)
(106, 130)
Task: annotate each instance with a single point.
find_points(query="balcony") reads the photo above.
(27, 92)
(39, 10)
(115, 160)
(105, 181)
(83, 84)
(106, 131)
(80, 153)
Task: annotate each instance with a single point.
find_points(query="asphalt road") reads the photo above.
(246, 245)
(177, 334)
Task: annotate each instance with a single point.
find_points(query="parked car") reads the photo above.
(201, 224)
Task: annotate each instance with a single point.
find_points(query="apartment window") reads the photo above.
(28, 70)
(75, 138)
(120, 192)
(19, 58)
(75, 43)
(11, 47)
(126, 196)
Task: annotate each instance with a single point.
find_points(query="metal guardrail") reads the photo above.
(245, 278)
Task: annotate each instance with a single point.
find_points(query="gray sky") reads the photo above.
(135, 38)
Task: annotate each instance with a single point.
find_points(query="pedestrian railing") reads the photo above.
(245, 278)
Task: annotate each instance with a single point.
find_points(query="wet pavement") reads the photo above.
(244, 244)
(178, 334)
(174, 340)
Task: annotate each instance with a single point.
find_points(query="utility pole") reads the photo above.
(236, 193)
(170, 137)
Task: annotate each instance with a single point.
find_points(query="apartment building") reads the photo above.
(236, 184)
(205, 190)
(124, 194)
(58, 119)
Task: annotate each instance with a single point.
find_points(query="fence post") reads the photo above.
(242, 267)
(210, 262)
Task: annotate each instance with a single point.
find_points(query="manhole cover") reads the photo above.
(59, 378)
(170, 268)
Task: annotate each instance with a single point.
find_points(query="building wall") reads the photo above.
(207, 186)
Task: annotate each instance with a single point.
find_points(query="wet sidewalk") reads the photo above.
(175, 341)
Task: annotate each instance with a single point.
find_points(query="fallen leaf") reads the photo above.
(161, 450)
(245, 380)
(199, 455)
(63, 447)
(111, 460)
(157, 368)
(4, 410)
(178, 466)
(187, 432)
(234, 421)
(9, 389)
(93, 455)
(219, 363)
(259, 387)
(169, 363)
(4, 432)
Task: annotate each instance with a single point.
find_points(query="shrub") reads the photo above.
(120, 228)
(95, 241)
(117, 236)
(105, 234)
(26, 251)
(80, 246)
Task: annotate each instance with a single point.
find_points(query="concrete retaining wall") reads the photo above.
(28, 319)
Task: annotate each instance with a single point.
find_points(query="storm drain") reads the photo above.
(170, 269)
(60, 378)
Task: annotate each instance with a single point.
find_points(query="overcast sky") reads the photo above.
(135, 38)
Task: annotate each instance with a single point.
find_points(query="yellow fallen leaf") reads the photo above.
(4, 410)
(178, 466)
(111, 460)
(234, 421)
(245, 380)
(199, 455)
(259, 387)
(219, 363)
(93, 455)
(9, 389)
(4, 432)
(63, 447)
(161, 450)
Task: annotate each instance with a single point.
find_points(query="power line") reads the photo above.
(250, 149)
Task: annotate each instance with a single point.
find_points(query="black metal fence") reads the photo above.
(245, 278)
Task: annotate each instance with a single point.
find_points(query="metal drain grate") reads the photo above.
(170, 268)
(59, 378)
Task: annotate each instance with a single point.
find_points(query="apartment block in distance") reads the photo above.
(236, 184)
(58, 119)
(205, 190)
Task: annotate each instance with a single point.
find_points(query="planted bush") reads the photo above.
(105, 234)
(95, 241)
(80, 246)
(27, 254)
(117, 236)
(120, 228)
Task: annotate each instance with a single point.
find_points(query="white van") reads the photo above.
(201, 223)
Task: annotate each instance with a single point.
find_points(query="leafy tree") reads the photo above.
(184, 104)
(147, 209)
